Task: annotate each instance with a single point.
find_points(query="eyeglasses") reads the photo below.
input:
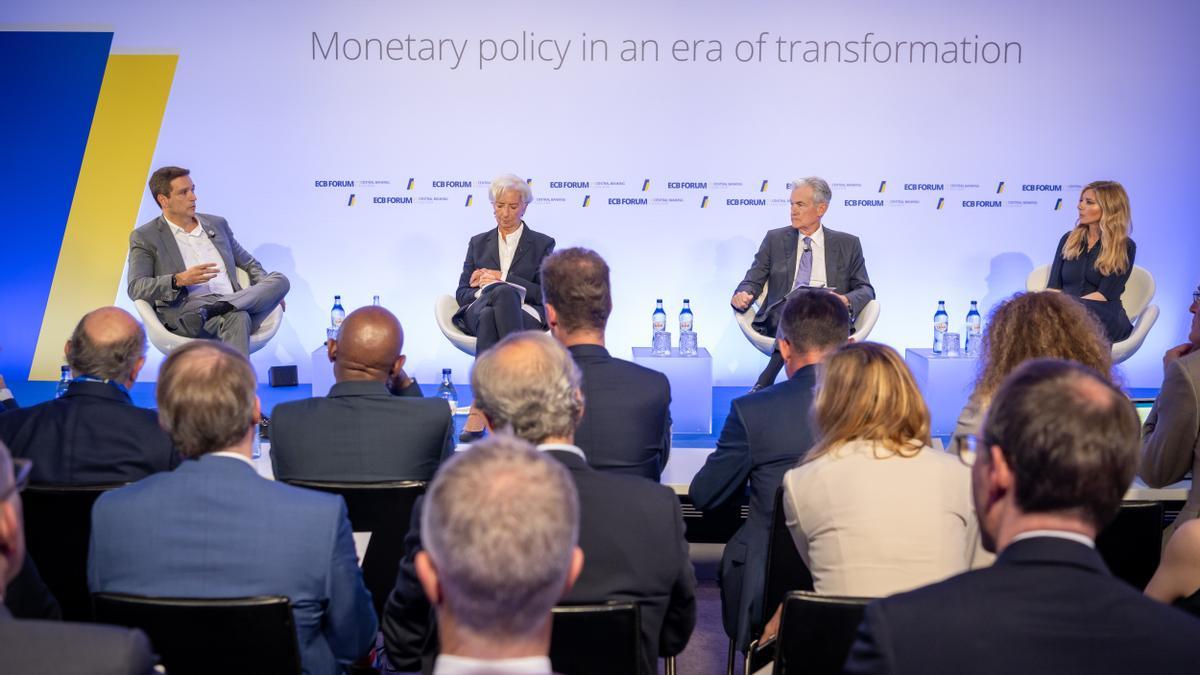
(1196, 295)
(21, 471)
(969, 449)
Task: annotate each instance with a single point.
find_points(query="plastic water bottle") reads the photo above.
(660, 317)
(685, 316)
(375, 300)
(941, 323)
(974, 320)
(337, 315)
(447, 392)
(64, 381)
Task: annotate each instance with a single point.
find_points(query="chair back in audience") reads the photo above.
(385, 510)
(58, 527)
(786, 570)
(1131, 545)
(816, 632)
(236, 635)
(596, 639)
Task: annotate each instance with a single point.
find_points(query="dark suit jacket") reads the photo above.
(93, 434)
(775, 262)
(631, 533)
(39, 647)
(360, 432)
(154, 258)
(766, 434)
(28, 597)
(626, 425)
(214, 528)
(9, 404)
(483, 251)
(1047, 605)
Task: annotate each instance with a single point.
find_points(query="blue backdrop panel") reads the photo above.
(54, 78)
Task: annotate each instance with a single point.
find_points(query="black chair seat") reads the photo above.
(58, 527)
(385, 510)
(1131, 545)
(235, 635)
(596, 639)
(816, 632)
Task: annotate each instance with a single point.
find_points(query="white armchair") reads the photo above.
(165, 341)
(863, 323)
(444, 309)
(1139, 291)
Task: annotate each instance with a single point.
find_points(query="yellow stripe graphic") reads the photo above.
(120, 147)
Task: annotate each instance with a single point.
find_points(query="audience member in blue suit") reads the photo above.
(214, 528)
(766, 433)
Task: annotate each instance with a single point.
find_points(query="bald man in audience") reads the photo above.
(361, 431)
(36, 647)
(94, 433)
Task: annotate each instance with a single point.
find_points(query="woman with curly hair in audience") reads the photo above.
(1029, 326)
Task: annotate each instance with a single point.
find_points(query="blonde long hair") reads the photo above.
(868, 393)
(1115, 223)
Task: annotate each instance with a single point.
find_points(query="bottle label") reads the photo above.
(660, 324)
(685, 324)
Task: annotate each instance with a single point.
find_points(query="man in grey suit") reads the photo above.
(361, 432)
(1171, 435)
(185, 263)
(804, 254)
(29, 647)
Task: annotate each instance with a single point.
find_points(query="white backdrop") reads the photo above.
(1103, 89)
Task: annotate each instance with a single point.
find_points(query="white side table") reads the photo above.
(945, 383)
(322, 372)
(691, 387)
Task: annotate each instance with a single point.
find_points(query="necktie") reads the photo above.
(804, 271)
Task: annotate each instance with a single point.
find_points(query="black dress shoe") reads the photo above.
(470, 436)
(192, 323)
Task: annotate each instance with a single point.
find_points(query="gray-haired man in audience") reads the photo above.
(630, 529)
(501, 523)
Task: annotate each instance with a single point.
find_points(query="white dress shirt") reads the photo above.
(197, 248)
(508, 248)
(1056, 534)
(449, 664)
(819, 278)
(871, 525)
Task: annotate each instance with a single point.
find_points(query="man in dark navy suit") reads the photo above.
(361, 432)
(215, 528)
(626, 425)
(36, 647)
(766, 433)
(630, 530)
(1058, 451)
(806, 253)
(94, 433)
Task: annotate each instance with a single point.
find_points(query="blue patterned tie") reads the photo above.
(804, 271)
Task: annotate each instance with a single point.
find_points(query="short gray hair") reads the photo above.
(500, 523)
(821, 191)
(509, 182)
(529, 384)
